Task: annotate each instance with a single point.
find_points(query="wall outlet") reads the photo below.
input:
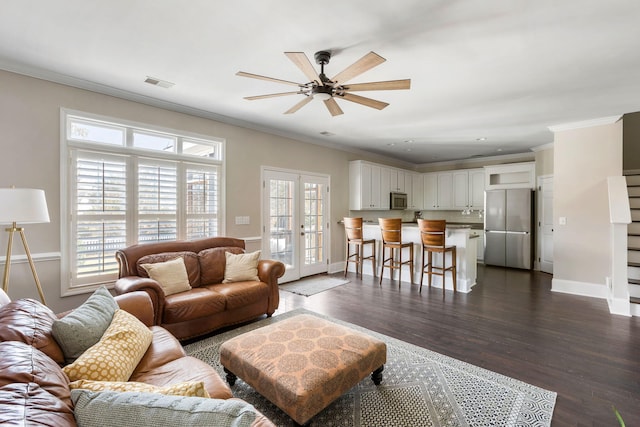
(242, 220)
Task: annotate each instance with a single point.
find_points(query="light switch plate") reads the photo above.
(242, 220)
(562, 220)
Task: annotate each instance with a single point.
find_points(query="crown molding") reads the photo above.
(585, 124)
(542, 147)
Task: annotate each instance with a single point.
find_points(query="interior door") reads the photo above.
(545, 224)
(295, 222)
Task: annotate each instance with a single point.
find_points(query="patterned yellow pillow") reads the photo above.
(187, 388)
(116, 355)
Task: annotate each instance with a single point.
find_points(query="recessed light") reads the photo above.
(391, 144)
(409, 141)
(484, 138)
(326, 133)
(499, 149)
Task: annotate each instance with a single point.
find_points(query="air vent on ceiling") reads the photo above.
(157, 82)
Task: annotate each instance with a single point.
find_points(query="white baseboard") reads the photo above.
(619, 306)
(336, 267)
(594, 290)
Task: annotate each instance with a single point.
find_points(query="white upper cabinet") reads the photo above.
(430, 201)
(416, 197)
(364, 186)
(445, 190)
(476, 188)
(460, 189)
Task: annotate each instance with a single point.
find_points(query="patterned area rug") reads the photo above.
(313, 285)
(419, 388)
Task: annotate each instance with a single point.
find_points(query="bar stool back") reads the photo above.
(433, 235)
(391, 229)
(353, 231)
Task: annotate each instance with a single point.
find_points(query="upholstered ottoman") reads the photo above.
(304, 363)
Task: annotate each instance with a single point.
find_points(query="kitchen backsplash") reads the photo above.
(409, 215)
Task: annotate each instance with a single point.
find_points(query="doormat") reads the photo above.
(313, 285)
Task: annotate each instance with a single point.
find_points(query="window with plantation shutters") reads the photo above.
(125, 184)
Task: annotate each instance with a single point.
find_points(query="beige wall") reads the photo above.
(544, 161)
(30, 142)
(583, 159)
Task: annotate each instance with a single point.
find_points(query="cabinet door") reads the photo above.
(384, 189)
(445, 190)
(430, 191)
(460, 189)
(401, 185)
(476, 188)
(417, 192)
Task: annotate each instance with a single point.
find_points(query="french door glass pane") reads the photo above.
(313, 223)
(280, 220)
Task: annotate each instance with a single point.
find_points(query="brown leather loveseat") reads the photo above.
(210, 304)
(35, 391)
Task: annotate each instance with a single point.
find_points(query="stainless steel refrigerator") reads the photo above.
(509, 225)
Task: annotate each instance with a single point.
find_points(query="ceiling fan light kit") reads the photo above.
(322, 88)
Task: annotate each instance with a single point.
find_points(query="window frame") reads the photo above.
(69, 148)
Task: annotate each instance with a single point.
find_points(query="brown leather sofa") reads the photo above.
(34, 391)
(210, 304)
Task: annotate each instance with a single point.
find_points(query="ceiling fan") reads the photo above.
(329, 90)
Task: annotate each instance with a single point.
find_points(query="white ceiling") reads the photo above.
(504, 70)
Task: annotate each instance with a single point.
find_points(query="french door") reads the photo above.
(296, 222)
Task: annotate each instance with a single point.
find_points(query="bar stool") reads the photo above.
(391, 229)
(353, 229)
(433, 236)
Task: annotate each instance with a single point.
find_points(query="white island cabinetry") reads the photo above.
(456, 235)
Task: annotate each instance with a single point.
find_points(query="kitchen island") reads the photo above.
(459, 235)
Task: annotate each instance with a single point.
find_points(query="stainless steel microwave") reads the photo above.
(398, 201)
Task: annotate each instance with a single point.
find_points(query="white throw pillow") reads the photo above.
(172, 275)
(241, 267)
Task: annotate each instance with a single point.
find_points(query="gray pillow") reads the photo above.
(84, 326)
(112, 408)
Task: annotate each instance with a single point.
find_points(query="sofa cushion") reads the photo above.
(28, 404)
(164, 348)
(116, 355)
(190, 262)
(186, 369)
(108, 408)
(242, 294)
(29, 321)
(22, 363)
(187, 388)
(213, 262)
(172, 275)
(195, 304)
(241, 267)
(84, 326)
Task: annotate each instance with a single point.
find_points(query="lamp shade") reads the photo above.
(23, 205)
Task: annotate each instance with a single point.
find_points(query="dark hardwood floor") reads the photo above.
(513, 324)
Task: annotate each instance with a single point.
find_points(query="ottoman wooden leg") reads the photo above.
(231, 377)
(376, 376)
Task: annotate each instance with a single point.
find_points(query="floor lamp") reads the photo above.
(24, 206)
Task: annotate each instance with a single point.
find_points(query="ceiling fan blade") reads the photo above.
(302, 62)
(386, 85)
(272, 95)
(363, 64)
(269, 79)
(299, 105)
(364, 101)
(333, 107)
